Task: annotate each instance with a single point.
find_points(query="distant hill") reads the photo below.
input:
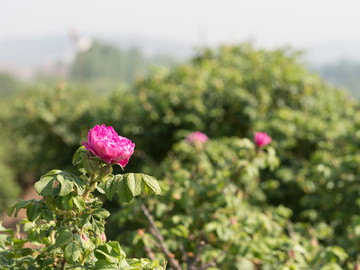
(337, 62)
(24, 56)
(33, 52)
(344, 74)
(331, 52)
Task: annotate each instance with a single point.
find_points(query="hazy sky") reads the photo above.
(267, 22)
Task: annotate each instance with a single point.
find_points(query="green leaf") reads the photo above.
(11, 209)
(105, 265)
(66, 185)
(21, 204)
(111, 252)
(3, 238)
(101, 213)
(79, 155)
(32, 211)
(3, 229)
(67, 202)
(331, 266)
(79, 203)
(80, 185)
(100, 188)
(115, 246)
(45, 185)
(123, 191)
(151, 183)
(72, 252)
(180, 231)
(135, 183)
(47, 215)
(63, 238)
(110, 186)
(78, 238)
(97, 226)
(84, 219)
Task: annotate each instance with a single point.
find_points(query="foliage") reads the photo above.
(67, 225)
(10, 190)
(230, 92)
(44, 118)
(207, 214)
(224, 92)
(106, 65)
(234, 91)
(9, 86)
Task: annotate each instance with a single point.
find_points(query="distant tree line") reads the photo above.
(344, 73)
(103, 66)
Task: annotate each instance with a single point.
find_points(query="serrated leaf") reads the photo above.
(84, 219)
(66, 185)
(100, 188)
(67, 202)
(47, 215)
(80, 185)
(101, 213)
(63, 238)
(79, 203)
(45, 185)
(129, 179)
(123, 191)
(32, 211)
(72, 252)
(3, 238)
(21, 204)
(110, 251)
(11, 209)
(78, 238)
(151, 183)
(97, 226)
(105, 265)
(115, 246)
(135, 183)
(110, 186)
(79, 155)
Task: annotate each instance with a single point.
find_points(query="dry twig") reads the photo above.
(157, 234)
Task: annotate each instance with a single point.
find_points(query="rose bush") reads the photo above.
(211, 215)
(66, 226)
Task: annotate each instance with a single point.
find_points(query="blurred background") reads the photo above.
(43, 42)
(157, 71)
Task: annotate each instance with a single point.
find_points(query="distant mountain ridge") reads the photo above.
(33, 53)
(23, 56)
(328, 53)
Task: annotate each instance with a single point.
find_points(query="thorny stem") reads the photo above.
(89, 189)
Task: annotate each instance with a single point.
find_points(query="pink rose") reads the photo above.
(84, 237)
(197, 136)
(262, 139)
(105, 143)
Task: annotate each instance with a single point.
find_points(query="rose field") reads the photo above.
(240, 158)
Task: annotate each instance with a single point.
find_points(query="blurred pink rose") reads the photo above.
(105, 143)
(84, 237)
(197, 136)
(261, 139)
(103, 237)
